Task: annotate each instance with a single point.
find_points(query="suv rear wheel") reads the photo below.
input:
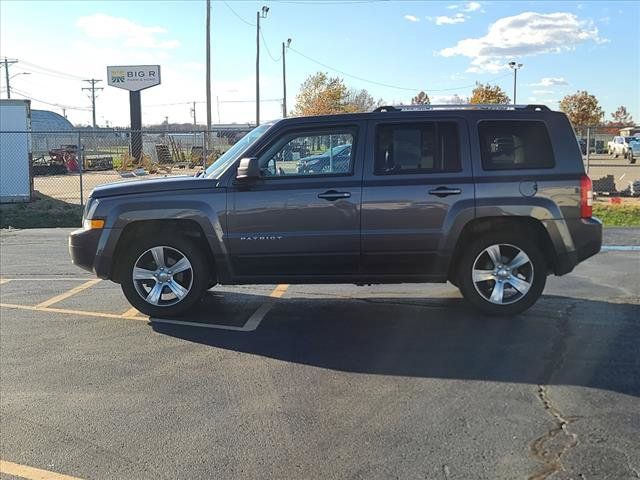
(164, 276)
(502, 273)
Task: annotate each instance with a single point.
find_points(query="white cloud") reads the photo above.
(528, 33)
(447, 99)
(445, 20)
(487, 64)
(471, 7)
(411, 18)
(132, 35)
(543, 92)
(467, 7)
(550, 82)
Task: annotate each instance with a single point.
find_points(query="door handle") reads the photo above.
(445, 191)
(332, 195)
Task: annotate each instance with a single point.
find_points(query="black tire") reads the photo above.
(510, 242)
(199, 275)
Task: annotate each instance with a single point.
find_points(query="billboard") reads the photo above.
(133, 77)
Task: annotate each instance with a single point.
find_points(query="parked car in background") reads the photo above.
(634, 149)
(334, 160)
(620, 146)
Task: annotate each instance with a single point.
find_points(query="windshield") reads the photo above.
(227, 158)
(632, 139)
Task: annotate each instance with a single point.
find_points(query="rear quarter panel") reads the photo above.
(551, 195)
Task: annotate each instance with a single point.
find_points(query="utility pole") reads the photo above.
(208, 50)
(93, 89)
(193, 112)
(284, 78)
(515, 67)
(6, 73)
(259, 14)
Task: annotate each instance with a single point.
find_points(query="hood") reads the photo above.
(151, 185)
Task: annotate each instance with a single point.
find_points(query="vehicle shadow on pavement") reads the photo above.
(561, 340)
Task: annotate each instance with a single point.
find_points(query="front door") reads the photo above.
(302, 217)
(417, 179)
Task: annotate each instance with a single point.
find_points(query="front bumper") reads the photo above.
(83, 247)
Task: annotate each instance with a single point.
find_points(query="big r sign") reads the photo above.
(133, 77)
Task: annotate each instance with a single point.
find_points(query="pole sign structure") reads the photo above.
(134, 78)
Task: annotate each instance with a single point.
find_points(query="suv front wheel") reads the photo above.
(502, 274)
(164, 276)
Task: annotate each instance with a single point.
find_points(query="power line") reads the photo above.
(374, 82)
(264, 42)
(31, 97)
(238, 15)
(202, 102)
(51, 70)
(35, 71)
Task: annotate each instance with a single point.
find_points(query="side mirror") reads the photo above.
(249, 169)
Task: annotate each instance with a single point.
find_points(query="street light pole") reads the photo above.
(515, 67)
(259, 14)
(284, 77)
(208, 77)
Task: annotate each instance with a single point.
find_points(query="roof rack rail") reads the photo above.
(461, 106)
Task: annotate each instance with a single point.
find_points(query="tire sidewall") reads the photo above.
(199, 268)
(468, 288)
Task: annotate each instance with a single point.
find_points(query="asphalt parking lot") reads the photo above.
(337, 381)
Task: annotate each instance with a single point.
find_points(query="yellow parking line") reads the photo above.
(70, 312)
(4, 280)
(132, 312)
(31, 473)
(65, 295)
(279, 291)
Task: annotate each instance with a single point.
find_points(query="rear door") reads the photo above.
(302, 217)
(417, 180)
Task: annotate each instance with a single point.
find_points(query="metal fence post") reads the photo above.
(205, 142)
(80, 168)
(588, 146)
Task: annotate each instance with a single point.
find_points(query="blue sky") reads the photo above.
(440, 47)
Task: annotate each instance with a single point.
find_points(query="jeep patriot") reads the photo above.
(490, 198)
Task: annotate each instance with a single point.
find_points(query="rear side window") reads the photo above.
(515, 145)
(426, 147)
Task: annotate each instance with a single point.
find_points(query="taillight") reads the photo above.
(586, 197)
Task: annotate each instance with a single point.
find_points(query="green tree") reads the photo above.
(421, 99)
(582, 108)
(488, 94)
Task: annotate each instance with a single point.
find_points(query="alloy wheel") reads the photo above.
(502, 274)
(162, 276)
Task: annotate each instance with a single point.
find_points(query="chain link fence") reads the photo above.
(67, 165)
(56, 171)
(610, 159)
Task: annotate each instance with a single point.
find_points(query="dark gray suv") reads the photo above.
(490, 198)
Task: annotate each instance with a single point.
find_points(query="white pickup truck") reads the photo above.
(628, 147)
